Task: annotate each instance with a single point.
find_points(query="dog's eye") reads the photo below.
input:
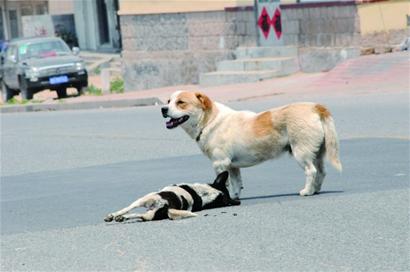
(180, 102)
(169, 100)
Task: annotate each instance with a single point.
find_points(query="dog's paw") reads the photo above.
(109, 218)
(119, 218)
(234, 202)
(317, 188)
(307, 192)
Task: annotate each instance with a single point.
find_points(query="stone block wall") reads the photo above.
(172, 49)
(390, 38)
(320, 25)
(332, 24)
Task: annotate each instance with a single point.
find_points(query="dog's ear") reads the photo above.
(206, 103)
(220, 181)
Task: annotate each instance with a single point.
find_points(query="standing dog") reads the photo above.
(235, 139)
(179, 201)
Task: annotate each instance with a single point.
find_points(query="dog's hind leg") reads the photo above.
(320, 175)
(174, 214)
(305, 160)
(141, 202)
(310, 172)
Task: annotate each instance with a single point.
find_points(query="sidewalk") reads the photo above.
(380, 73)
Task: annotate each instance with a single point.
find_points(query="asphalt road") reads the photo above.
(63, 171)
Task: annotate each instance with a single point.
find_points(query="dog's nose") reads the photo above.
(164, 111)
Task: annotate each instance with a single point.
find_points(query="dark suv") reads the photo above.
(31, 65)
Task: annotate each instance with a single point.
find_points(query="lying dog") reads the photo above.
(179, 201)
(235, 139)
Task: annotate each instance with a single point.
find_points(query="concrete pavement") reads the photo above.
(73, 139)
(115, 185)
(341, 233)
(63, 171)
(61, 178)
(52, 221)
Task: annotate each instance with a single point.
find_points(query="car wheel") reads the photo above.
(25, 92)
(6, 92)
(62, 93)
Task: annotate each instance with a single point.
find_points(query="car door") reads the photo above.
(10, 67)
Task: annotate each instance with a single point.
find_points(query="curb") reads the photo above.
(125, 103)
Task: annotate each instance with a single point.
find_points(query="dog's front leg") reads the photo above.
(112, 216)
(235, 182)
(147, 216)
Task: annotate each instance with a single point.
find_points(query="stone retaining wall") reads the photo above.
(332, 24)
(171, 49)
(320, 25)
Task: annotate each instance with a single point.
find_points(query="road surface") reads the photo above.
(62, 172)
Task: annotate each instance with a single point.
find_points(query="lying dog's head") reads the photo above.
(220, 184)
(186, 108)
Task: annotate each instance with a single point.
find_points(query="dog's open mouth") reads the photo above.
(174, 122)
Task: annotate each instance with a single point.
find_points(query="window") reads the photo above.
(14, 30)
(2, 34)
(11, 51)
(41, 9)
(42, 49)
(26, 9)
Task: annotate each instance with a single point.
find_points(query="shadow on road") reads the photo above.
(285, 195)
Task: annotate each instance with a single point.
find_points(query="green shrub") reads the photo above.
(97, 70)
(92, 90)
(117, 85)
(15, 101)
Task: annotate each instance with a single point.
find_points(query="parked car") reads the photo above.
(35, 64)
(3, 46)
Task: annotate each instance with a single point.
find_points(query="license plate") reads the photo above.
(58, 79)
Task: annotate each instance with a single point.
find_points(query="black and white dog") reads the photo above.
(179, 201)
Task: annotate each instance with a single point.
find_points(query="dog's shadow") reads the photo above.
(249, 198)
(131, 221)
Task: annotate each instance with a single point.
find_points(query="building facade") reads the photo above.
(91, 24)
(97, 25)
(11, 13)
(95, 22)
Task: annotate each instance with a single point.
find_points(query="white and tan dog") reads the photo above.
(235, 139)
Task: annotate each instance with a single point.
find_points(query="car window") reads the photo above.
(42, 49)
(11, 51)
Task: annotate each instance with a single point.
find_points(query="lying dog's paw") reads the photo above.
(119, 218)
(109, 218)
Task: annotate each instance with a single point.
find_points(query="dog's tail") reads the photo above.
(174, 214)
(331, 140)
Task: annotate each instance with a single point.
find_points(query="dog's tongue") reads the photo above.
(173, 123)
(170, 123)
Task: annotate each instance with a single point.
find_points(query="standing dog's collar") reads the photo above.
(199, 136)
